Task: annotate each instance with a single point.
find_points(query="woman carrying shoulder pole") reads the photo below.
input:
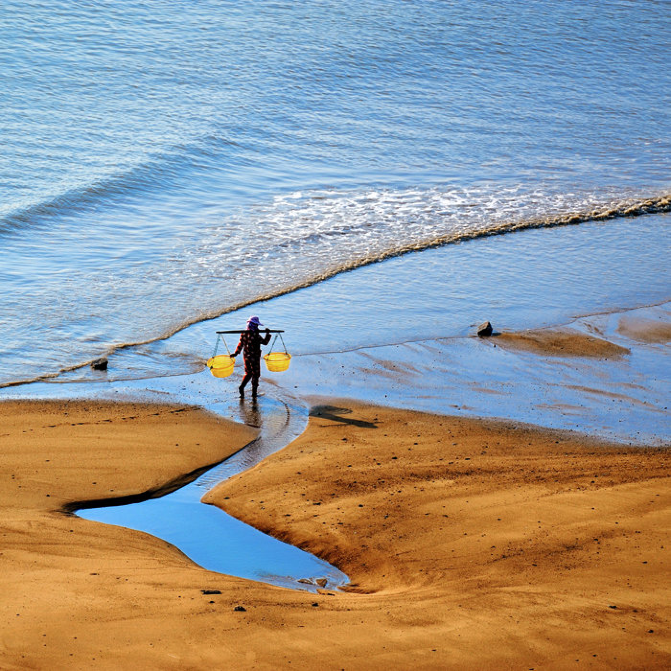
(250, 345)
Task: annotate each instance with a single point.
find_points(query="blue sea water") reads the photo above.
(166, 162)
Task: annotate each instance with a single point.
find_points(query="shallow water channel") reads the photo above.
(210, 537)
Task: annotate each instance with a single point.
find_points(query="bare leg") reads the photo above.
(244, 382)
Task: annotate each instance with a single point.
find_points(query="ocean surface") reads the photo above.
(166, 163)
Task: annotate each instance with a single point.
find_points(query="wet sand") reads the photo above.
(645, 330)
(564, 342)
(469, 543)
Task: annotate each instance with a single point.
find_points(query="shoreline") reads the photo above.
(588, 375)
(521, 375)
(645, 333)
(415, 282)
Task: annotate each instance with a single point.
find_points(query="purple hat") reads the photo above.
(254, 320)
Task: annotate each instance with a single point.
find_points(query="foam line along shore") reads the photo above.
(139, 211)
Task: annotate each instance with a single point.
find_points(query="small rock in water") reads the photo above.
(485, 330)
(305, 581)
(321, 582)
(99, 364)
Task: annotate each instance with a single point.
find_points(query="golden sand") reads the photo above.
(470, 545)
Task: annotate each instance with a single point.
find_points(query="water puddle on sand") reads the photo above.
(215, 540)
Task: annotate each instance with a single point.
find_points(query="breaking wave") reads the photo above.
(369, 242)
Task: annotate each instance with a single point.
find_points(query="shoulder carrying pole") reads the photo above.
(245, 331)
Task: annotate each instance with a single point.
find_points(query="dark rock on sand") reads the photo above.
(485, 329)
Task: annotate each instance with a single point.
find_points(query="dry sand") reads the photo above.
(470, 545)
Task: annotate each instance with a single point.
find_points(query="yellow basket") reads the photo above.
(221, 366)
(277, 362)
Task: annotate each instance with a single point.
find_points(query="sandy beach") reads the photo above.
(369, 183)
(470, 544)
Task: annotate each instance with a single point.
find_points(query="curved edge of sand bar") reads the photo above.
(64, 454)
(343, 473)
(168, 487)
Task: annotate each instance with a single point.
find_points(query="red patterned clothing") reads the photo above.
(250, 342)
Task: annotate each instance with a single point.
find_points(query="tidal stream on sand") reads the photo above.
(215, 540)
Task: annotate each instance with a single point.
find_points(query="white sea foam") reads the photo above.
(165, 164)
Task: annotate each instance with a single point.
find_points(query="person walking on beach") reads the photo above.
(251, 341)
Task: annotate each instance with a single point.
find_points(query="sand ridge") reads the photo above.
(486, 544)
(470, 545)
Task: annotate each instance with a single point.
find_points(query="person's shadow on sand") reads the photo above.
(334, 413)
